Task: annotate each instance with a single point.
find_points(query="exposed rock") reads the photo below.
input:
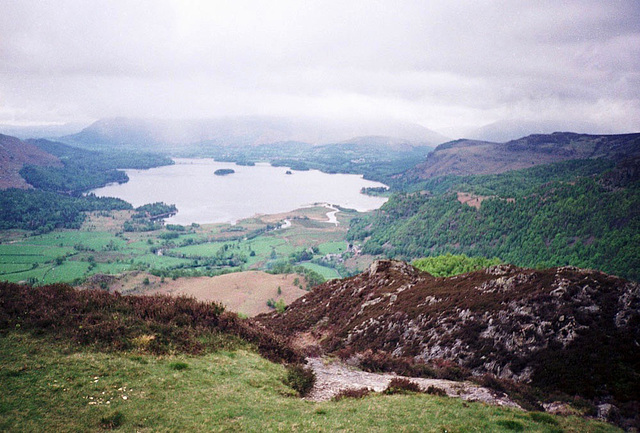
(333, 377)
(563, 329)
(608, 412)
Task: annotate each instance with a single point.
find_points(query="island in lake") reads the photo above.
(224, 171)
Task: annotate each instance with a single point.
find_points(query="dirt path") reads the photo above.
(335, 376)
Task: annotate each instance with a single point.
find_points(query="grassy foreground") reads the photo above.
(50, 385)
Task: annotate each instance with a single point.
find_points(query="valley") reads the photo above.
(316, 282)
(221, 216)
(168, 258)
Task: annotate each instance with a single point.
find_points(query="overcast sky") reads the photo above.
(447, 65)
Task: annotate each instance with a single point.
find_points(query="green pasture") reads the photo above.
(336, 247)
(326, 272)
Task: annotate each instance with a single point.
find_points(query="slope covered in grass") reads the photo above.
(54, 386)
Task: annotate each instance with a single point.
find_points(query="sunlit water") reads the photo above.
(203, 197)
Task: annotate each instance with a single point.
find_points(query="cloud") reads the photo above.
(442, 64)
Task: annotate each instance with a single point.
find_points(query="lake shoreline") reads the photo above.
(204, 198)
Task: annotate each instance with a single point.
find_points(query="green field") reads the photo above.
(336, 247)
(49, 386)
(326, 272)
(102, 247)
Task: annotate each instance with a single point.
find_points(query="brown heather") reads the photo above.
(563, 330)
(156, 324)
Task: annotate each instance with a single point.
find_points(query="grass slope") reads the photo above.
(53, 386)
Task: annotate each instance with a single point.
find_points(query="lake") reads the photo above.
(202, 197)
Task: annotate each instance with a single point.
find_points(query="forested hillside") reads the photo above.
(83, 170)
(553, 215)
(43, 211)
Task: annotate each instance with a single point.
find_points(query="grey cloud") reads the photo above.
(439, 63)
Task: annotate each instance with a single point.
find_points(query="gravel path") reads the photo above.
(333, 377)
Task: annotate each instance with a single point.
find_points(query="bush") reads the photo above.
(155, 324)
(352, 393)
(522, 393)
(381, 361)
(300, 378)
(434, 390)
(400, 385)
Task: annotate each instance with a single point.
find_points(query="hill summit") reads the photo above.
(465, 157)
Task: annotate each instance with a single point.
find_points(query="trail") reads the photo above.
(333, 377)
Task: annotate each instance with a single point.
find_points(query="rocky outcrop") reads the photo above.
(565, 329)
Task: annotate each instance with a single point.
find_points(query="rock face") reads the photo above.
(14, 153)
(465, 157)
(566, 329)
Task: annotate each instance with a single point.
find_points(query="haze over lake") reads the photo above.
(203, 197)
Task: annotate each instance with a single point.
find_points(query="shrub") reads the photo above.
(156, 324)
(300, 378)
(280, 306)
(400, 385)
(434, 390)
(352, 393)
(381, 361)
(522, 393)
(112, 421)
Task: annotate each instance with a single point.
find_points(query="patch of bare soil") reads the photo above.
(471, 199)
(243, 292)
(333, 377)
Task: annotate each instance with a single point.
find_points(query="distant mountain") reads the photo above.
(15, 153)
(172, 135)
(464, 157)
(510, 129)
(41, 131)
(561, 329)
(382, 141)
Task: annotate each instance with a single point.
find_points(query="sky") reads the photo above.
(447, 65)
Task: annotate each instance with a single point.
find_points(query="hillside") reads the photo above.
(83, 169)
(580, 212)
(14, 154)
(562, 330)
(94, 361)
(466, 157)
(179, 135)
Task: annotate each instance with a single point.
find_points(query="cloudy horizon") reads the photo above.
(448, 66)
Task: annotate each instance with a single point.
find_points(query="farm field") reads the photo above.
(102, 246)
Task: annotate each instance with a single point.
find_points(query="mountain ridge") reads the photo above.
(466, 157)
(242, 130)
